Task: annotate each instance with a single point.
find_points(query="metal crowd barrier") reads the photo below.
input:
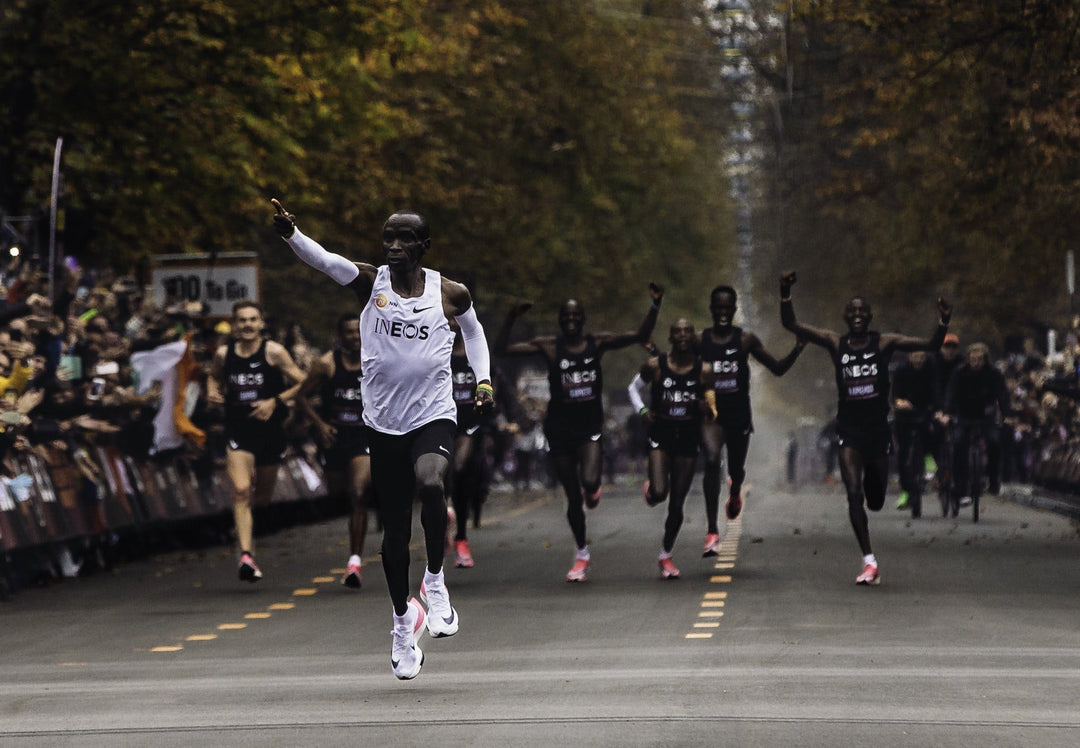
(59, 504)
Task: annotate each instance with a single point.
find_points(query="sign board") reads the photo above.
(232, 277)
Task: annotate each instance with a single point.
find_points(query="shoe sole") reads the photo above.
(464, 564)
(710, 553)
(247, 574)
(869, 582)
(352, 582)
(733, 510)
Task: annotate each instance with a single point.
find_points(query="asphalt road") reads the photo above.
(972, 638)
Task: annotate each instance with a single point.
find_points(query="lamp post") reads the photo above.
(52, 213)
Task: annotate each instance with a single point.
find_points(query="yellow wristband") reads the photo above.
(486, 388)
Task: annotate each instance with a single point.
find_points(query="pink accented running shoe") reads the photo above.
(464, 556)
(712, 545)
(353, 578)
(733, 505)
(577, 571)
(406, 657)
(249, 570)
(869, 575)
(668, 569)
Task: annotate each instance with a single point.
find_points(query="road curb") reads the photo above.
(1043, 498)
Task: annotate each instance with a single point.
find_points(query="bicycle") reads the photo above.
(950, 503)
(976, 461)
(913, 467)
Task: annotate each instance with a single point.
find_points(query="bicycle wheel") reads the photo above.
(944, 489)
(916, 476)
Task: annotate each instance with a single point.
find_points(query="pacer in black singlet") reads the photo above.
(469, 479)
(575, 417)
(861, 360)
(679, 388)
(726, 350)
(249, 379)
(336, 379)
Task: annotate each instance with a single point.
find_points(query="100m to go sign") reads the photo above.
(194, 288)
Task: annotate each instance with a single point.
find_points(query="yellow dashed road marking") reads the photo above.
(713, 602)
(311, 591)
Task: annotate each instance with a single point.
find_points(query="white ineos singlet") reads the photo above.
(405, 350)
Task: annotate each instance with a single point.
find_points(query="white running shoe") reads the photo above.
(442, 619)
(406, 658)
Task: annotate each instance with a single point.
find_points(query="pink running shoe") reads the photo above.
(353, 578)
(712, 545)
(464, 556)
(667, 569)
(869, 575)
(577, 571)
(249, 570)
(733, 505)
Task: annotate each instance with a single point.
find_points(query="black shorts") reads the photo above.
(567, 435)
(349, 444)
(266, 441)
(871, 441)
(676, 438)
(733, 423)
(394, 456)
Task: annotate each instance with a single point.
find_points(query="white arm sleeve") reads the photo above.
(313, 253)
(476, 347)
(637, 386)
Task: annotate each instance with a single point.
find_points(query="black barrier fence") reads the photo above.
(54, 500)
(1058, 467)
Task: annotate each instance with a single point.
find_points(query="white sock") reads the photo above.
(434, 579)
(664, 554)
(354, 560)
(870, 559)
(583, 553)
(401, 620)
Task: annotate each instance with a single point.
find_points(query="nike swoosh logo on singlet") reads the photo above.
(731, 351)
(418, 309)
